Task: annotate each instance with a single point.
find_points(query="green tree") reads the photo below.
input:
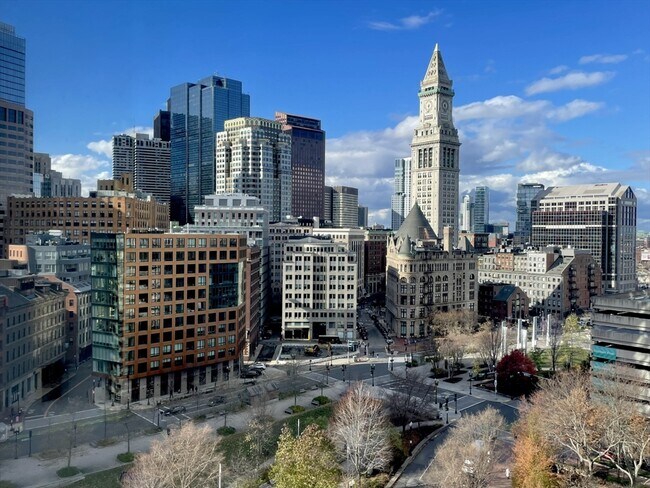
(307, 461)
(570, 333)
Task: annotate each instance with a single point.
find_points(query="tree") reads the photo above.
(467, 456)
(404, 405)
(463, 321)
(516, 373)
(570, 333)
(306, 461)
(259, 437)
(488, 343)
(453, 348)
(554, 341)
(360, 429)
(187, 458)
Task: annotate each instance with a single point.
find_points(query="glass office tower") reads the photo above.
(198, 112)
(12, 65)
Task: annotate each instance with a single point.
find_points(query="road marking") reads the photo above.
(71, 389)
(143, 417)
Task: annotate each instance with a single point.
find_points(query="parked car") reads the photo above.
(258, 366)
(389, 341)
(312, 350)
(176, 410)
(250, 373)
(164, 410)
(218, 400)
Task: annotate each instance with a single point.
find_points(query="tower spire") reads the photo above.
(436, 72)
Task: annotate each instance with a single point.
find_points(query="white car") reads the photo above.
(258, 366)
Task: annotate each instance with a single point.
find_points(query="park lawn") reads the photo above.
(579, 355)
(231, 445)
(109, 478)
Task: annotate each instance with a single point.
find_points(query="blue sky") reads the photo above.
(550, 92)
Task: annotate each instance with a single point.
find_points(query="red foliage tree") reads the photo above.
(516, 374)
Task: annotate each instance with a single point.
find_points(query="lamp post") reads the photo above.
(471, 375)
(343, 368)
(391, 363)
(128, 394)
(295, 393)
(495, 385)
(435, 391)
(372, 373)
(456, 403)
(327, 368)
(310, 365)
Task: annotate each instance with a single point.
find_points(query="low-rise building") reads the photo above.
(557, 280)
(279, 234)
(319, 290)
(422, 277)
(502, 301)
(354, 239)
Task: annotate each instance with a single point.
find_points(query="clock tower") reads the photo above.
(435, 150)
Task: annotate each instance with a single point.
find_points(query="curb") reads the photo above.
(415, 452)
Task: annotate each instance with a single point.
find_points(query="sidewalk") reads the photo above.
(40, 473)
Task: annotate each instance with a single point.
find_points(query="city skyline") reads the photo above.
(569, 105)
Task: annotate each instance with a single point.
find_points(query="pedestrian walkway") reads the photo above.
(36, 472)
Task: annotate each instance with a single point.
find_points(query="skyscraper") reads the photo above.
(307, 164)
(525, 194)
(466, 214)
(400, 203)
(481, 212)
(198, 112)
(147, 160)
(342, 206)
(12, 65)
(363, 216)
(435, 150)
(254, 157)
(600, 218)
(161, 123)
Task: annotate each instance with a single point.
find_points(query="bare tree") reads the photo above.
(259, 436)
(467, 456)
(360, 429)
(554, 341)
(187, 458)
(405, 405)
(463, 321)
(488, 343)
(453, 348)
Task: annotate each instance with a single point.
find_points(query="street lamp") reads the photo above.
(435, 391)
(327, 368)
(471, 375)
(295, 393)
(391, 363)
(372, 373)
(456, 403)
(310, 365)
(343, 368)
(128, 395)
(495, 385)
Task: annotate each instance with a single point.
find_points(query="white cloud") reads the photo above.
(574, 109)
(406, 23)
(84, 167)
(558, 69)
(498, 108)
(603, 58)
(570, 81)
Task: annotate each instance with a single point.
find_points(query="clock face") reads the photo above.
(445, 105)
(427, 106)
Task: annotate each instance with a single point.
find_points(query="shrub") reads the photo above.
(322, 400)
(226, 431)
(125, 457)
(67, 472)
(297, 408)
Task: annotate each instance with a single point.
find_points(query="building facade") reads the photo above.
(50, 183)
(33, 347)
(466, 214)
(320, 292)
(279, 234)
(502, 301)
(254, 157)
(363, 217)
(526, 192)
(307, 163)
(354, 241)
(421, 277)
(342, 206)
(197, 112)
(12, 65)
(435, 162)
(168, 311)
(77, 217)
(162, 125)
(481, 210)
(374, 262)
(400, 203)
(557, 281)
(600, 218)
(16, 157)
(620, 334)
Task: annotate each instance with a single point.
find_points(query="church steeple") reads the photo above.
(436, 72)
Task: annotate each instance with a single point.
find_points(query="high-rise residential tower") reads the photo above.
(12, 65)
(198, 111)
(435, 150)
(254, 157)
(481, 213)
(307, 164)
(400, 203)
(525, 194)
(600, 218)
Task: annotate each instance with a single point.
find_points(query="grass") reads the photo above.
(576, 354)
(7, 484)
(109, 441)
(67, 472)
(297, 408)
(125, 457)
(109, 478)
